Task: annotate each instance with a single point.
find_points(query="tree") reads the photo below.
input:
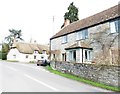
(5, 50)
(72, 13)
(15, 35)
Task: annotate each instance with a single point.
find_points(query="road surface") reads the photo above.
(19, 77)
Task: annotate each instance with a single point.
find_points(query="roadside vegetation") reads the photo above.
(73, 77)
(11, 60)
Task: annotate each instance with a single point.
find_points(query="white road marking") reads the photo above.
(11, 68)
(41, 82)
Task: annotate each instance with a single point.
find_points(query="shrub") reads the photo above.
(4, 56)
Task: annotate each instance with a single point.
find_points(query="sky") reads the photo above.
(35, 17)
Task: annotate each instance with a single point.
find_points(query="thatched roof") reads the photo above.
(29, 48)
(96, 19)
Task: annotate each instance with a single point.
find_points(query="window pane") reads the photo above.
(86, 33)
(80, 34)
(114, 26)
(117, 25)
(64, 40)
(86, 57)
(70, 55)
(77, 36)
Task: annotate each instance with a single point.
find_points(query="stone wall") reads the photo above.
(99, 73)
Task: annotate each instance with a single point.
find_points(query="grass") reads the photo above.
(32, 62)
(11, 60)
(73, 77)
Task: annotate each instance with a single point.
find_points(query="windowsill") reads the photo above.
(64, 43)
(81, 39)
(88, 61)
(113, 32)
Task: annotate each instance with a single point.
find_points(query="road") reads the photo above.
(19, 77)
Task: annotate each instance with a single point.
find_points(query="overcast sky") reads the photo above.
(35, 17)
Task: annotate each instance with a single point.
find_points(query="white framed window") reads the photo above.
(14, 55)
(72, 55)
(36, 52)
(83, 34)
(79, 35)
(88, 55)
(115, 26)
(26, 56)
(64, 39)
(35, 56)
(44, 52)
(63, 56)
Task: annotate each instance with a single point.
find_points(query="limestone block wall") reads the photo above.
(106, 74)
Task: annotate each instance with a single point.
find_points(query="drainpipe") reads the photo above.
(50, 49)
(82, 55)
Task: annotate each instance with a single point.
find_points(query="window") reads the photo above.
(64, 57)
(26, 56)
(36, 52)
(44, 52)
(115, 26)
(54, 56)
(64, 39)
(88, 55)
(79, 35)
(34, 56)
(14, 56)
(42, 57)
(72, 55)
(83, 34)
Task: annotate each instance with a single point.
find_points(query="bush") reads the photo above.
(4, 56)
(31, 62)
(0, 55)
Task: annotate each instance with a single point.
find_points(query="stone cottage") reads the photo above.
(90, 40)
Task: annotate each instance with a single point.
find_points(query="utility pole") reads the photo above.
(53, 25)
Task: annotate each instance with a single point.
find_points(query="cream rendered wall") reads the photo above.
(22, 57)
(13, 54)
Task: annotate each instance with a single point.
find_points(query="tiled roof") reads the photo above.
(76, 45)
(103, 16)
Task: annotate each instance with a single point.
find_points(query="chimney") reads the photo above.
(35, 41)
(66, 22)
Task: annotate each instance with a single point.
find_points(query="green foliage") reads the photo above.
(32, 62)
(15, 35)
(70, 76)
(72, 13)
(12, 61)
(0, 54)
(5, 50)
(4, 56)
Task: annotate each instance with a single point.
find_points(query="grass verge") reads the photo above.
(116, 89)
(11, 60)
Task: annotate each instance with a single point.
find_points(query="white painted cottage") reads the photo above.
(26, 52)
